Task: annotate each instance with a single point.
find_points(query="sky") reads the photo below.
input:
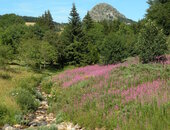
(60, 9)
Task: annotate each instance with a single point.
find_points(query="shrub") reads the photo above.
(5, 76)
(151, 43)
(59, 117)
(26, 100)
(30, 85)
(5, 55)
(46, 86)
(3, 113)
(7, 115)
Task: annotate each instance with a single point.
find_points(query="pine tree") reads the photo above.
(46, 21)
(50, 22)
(73, 38)
(87, 22)
(75, 25)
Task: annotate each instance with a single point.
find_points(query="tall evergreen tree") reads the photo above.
(87, 22)
(73, 38)
(49, 19)
(75, 25)
(46, 21)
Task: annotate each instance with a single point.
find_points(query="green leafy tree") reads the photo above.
(47, 53)
(112, 50)
(129, 39)
(151, 42)
(36, 53)
(34, 32)
(5, 55)
(13, 35)
(51, 37)
(29, 53)
(9, 20)
(110, 26)
(159, 11)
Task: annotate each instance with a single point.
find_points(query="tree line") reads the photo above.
(84, 42)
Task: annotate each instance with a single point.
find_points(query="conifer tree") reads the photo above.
(76, 45)
(46, 21)
(87, 22)
(75, 25)
(49, 19)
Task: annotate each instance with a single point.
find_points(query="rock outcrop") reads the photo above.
(104, 11)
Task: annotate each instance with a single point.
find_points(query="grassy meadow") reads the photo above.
(18, 94)
(11, 79)
(129, 95)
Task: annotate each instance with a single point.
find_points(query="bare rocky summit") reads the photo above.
(104, 11)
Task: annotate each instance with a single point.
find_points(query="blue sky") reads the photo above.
(60, 9)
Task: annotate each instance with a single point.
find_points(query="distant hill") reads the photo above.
(31, 21)
(104, 11)
(29, 18)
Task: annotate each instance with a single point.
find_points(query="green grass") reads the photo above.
(52, 127)
(15, 79)
(99, 112)
(18, 96)
(18, 91)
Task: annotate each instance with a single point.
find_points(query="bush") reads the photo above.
(112, 49)
(46, 86)
(3, 113)
(5, 76)
(151, 43)
(59, 117)
(30, 85)
(5, 55)
(7, 115)
(26, 100)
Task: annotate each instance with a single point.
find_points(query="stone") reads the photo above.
(40, 112)
(9, 128)
(51, 115)
(6, 125)
(17, 126)
(43, 103)
(40, 117)
(34, 124)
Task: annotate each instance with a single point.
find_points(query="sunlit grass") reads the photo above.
(112, 99)
(9, 79)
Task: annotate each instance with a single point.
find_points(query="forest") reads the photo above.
(30, 54)
(83, 42)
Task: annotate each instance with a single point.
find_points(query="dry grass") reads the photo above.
(30, 23)
(7, 85)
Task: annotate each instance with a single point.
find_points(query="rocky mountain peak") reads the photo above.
(104, 11)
